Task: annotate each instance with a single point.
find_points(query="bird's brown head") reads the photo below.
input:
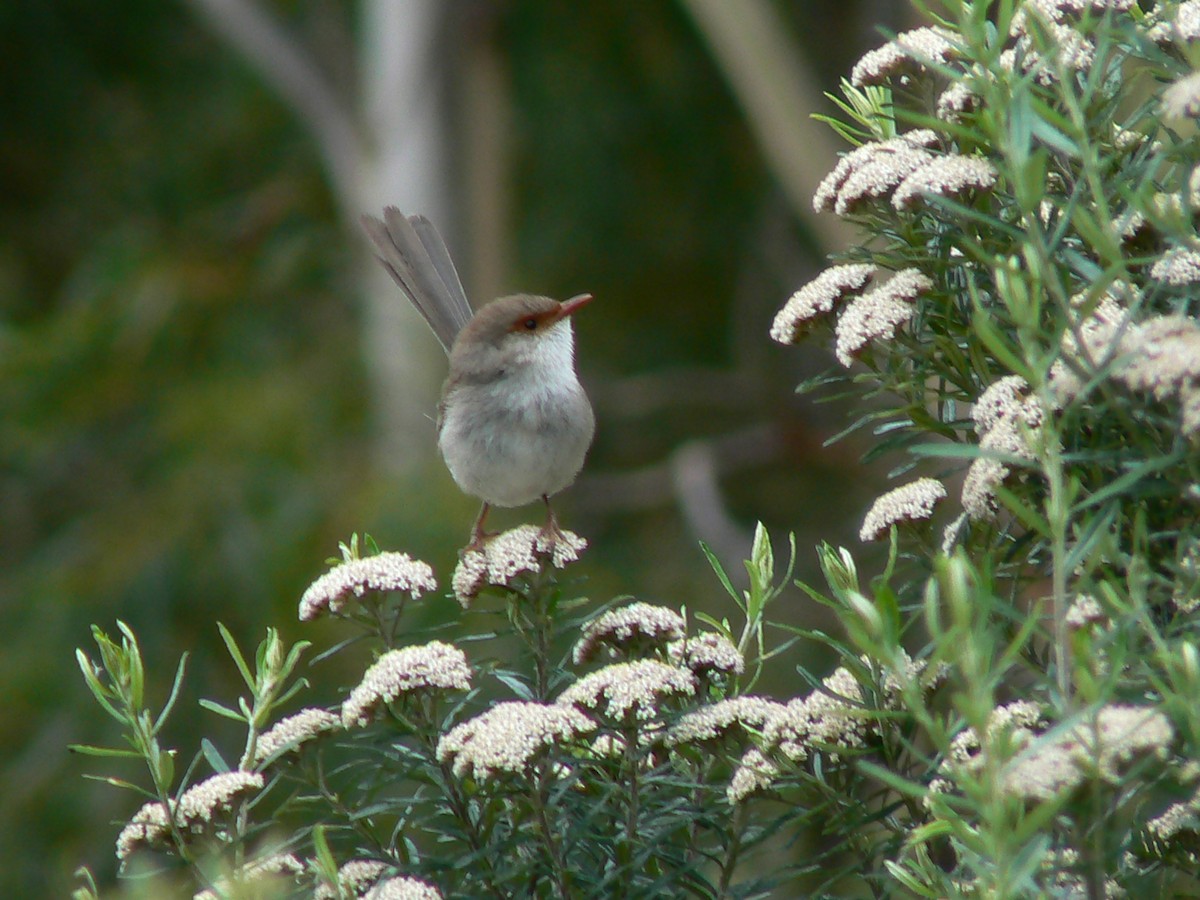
(516, 330)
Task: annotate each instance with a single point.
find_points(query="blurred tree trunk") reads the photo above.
(770, 78)
(403, 84)
(385, 147)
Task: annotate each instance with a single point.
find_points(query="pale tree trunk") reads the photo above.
(384, 147)
(402, 85)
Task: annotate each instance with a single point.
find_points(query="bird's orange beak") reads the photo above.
(569, 307)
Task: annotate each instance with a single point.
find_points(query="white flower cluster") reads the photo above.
(869, 316)
(402, 887)
(1179, 266)
(911, 502)
(1010, 724)
(216, 795)
(915, 49)
(1003, 401)
(717, 719)
(290, 732)
(275, 870)
(1161, 216)
(195, 811)
(1006, 415)
(1089, 342)
(1182, 99)
(149, 829)
(817, 298)
(1096, 747)
(877, 314)
(755, 773)
(1069, 51)
(832, 718)
(355, 878)
(630, 689)
(629, 629)
(1159, 356)
(507, 737)
(1084, 610)
(1186, 597)
(872, 171)
(1039, 27)
(1014, 722)
(1186, 23)
(1061, 870)
(368, 879)
(436, 666)
(956, 101)
(1068, 10)
(350, 580)
(1049, 26)
(1049, 762)
(707, 653)
(944, 176)
(1164, 353)
(508, 556)
(1176, 818)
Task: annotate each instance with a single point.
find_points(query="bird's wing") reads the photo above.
(415, 255)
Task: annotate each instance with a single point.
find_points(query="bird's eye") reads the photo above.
(530, 324)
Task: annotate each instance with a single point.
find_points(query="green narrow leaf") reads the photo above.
(117, 783)
(221, 710)
(293, 689)
(136, 668)
(99, 691)
(722, 627)
(174, 695)
(927, 832)
(890, 778)
(947, 451)
(236, 653)
(1054, 138)
(1026, 514)
(107, 752)
(516, 684)
(725, 582)
(907, 879)
(982, 325)
(1126, 481)
(214, 757)
(325, 858)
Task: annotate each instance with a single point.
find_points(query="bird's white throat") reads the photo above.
(547, 362)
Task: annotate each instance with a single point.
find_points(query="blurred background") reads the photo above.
(207, 382)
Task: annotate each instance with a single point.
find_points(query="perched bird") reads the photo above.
(514, 424)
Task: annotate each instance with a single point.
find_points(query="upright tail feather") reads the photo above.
(415, 255)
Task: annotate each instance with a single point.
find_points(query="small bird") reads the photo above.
(514, 424)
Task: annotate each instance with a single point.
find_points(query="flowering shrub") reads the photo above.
(1014, 713)
(422, 785)
(1028, 172)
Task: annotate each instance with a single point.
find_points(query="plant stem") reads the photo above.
(633, 810)
(1058, 516)
(540, 799)
(735, 849)
(461, 810)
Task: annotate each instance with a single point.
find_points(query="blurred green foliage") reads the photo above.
(185, 428)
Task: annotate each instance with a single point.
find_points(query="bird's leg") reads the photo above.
(478, 535)
(550, 531)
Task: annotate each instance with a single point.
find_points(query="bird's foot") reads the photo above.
(550, 534)
(548, 537)
(479, 537)
(478, 540)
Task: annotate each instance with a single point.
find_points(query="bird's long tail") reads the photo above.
(415, 255)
